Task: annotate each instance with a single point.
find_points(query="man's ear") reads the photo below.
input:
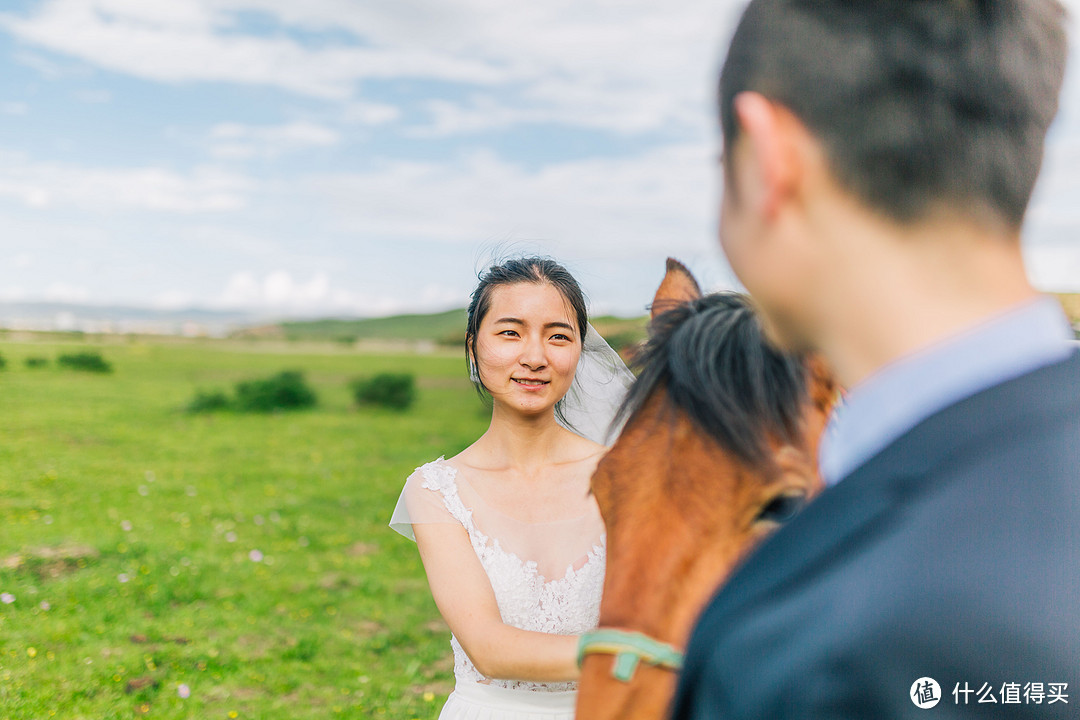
(768, 132)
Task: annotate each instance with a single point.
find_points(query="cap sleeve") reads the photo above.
(422, 501)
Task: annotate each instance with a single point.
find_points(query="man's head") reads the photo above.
(918, 108)
(918, 103)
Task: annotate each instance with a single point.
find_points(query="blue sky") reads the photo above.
(344, 157)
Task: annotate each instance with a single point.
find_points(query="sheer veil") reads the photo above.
(600, 384)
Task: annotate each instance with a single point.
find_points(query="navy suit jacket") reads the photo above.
(953, 554)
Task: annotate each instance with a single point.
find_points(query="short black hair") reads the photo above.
(920, 105)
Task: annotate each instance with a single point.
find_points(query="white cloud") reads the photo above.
(598, 206)
(309, 241)
(237, 141)
(243, 290)
(12, 293)
(100, 190)
(183, 41)
(278, 292)
(64, 292)
(625, 112)
(629, 66)
(275, 290)
(47, 68)
(94, 97)
(369, 113)
(173, 300)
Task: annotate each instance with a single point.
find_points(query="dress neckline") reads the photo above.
(457, 475)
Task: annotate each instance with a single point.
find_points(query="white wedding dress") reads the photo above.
(547, 577)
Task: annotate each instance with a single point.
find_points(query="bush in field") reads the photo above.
(3, 362)
(284, 391)
(34, 361)
(392, 390)
(208, 401)
(86, 361)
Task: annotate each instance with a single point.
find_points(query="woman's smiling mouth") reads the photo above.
(530, 382)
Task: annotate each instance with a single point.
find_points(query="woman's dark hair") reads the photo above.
(716, 365)
(535, 270)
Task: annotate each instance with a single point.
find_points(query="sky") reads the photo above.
(369, 157)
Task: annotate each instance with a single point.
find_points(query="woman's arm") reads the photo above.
(464, 596)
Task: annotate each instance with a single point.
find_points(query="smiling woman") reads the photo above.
(526, 344)
(511, 539)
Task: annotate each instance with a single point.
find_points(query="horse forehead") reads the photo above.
(662, 454)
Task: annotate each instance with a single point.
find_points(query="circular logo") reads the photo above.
(925, 693)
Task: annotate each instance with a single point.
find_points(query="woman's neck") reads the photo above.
(519, 441)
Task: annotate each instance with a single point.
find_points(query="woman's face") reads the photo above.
(527, 346)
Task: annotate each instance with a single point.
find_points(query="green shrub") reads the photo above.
(86, 361)
(393, 390)
(3, 362)
(284, 391)
(208, 401)
(36, 362)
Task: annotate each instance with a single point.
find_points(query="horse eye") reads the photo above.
(782, 508)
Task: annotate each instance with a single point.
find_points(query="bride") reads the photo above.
(509, 534)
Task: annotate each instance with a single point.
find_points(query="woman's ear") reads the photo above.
(470, 360)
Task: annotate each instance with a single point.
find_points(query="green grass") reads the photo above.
(245, 557)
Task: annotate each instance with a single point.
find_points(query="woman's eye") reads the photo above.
(509, 333)
(560, 337)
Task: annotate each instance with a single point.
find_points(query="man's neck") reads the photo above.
(916, 286)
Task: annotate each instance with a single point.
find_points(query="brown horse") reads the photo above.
(720, 448)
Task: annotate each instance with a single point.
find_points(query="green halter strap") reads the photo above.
(629, 648)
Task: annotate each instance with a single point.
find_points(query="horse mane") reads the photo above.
(712, 358)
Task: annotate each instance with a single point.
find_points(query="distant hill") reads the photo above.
(93, 319)
(623, 334)
(447, 328)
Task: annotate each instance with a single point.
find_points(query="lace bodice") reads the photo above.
(566, 605)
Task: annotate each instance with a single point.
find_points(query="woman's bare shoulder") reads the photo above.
(466, 458)
(582, 451)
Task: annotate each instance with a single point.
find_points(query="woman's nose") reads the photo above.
(533, 355)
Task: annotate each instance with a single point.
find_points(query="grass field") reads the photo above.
(163, 565)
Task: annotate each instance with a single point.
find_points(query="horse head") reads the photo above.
(719, 449)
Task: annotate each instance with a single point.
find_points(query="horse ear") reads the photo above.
(678, 287)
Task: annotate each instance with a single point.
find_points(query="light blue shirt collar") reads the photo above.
(898, 397)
